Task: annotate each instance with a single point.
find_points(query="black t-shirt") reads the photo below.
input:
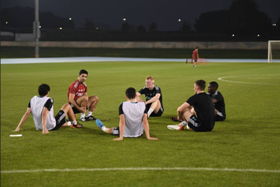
(204, 109)
(149, 94)
(220, 104)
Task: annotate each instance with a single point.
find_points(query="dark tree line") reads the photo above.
(243, 18)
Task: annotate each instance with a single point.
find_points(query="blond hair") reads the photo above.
(150, 78)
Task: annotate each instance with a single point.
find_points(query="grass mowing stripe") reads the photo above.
(141, 169)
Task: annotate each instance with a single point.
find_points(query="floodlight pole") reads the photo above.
(36, 29)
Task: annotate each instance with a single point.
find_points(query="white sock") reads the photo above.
(83, 115)
(69, 123)
(103, 128)
(74, 122)
(183, 123)
(150, 112)
(89, 113)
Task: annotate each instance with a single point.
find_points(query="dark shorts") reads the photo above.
(60, 119)
(116, 131)
(220, 117)
(195, 125)
(75, 110)
(153, 114)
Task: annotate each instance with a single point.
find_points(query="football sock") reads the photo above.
(89, 113)
(69, 123)
(103, 128)
(150, 112)
(183, 123)
(83, 115)
(74, 122)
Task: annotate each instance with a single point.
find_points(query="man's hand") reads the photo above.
(45, 131)
(83, 109)
(118, 139)
(152, 138)
(17, 129)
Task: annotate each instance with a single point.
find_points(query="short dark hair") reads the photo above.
(43, 89)
(214, 84)
(201, 84)
(130, 93)
(196, 47)
(83, 72)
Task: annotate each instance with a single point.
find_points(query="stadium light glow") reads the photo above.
(40, 27)
(274, 24)
(258, 35)
(179, 20)
(124, 19)
(7, 23)
(97, 28)
(70, 19)
(60, 28)
(232, 35)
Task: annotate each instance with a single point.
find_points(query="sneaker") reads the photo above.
(83, 118)
(76, 126)
(175, 127)
(99, 123)
(89, 118)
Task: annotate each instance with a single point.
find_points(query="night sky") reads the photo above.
(165, 13)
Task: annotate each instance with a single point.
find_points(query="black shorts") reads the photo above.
(60, 119)
(116, 131)
(195, 125)
(75, 110)
(153, 114)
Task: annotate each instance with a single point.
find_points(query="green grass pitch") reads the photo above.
(247, 143)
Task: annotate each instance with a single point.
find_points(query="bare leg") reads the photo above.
(156, 106)
(69, 112)
(92, 103)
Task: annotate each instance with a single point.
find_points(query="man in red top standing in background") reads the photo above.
(195, 56)
(78, 98)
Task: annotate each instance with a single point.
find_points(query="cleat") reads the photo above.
(89, 118)
(82, 118)
(175, 127)
(99, 123)
(76, 126)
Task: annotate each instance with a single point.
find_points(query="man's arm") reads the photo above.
(44, 120)
(121, 127)
(23, 119)
(155, 98)
(147, 128)
(73, 102)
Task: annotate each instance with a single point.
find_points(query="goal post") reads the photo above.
(272, 45)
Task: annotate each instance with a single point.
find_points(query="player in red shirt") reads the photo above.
(195, 56)
(78, 98)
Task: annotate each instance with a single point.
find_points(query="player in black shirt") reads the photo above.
(204, 117)
(218, 100)
(154, 106)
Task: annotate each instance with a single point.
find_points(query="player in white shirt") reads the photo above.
(133, 119)
(41, 108)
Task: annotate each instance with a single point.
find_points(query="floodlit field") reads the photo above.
(244, 150)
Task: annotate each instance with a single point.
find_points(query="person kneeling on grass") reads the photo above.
(133, 118)
(203, 117)
(41, 108)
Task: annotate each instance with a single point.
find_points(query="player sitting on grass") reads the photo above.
(133, 119)
(204, 119)
(78, 98)
(41, 108)
(153, 96)
(218, 100)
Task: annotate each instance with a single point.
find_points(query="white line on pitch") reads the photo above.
(241, 82)
(142, 169)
